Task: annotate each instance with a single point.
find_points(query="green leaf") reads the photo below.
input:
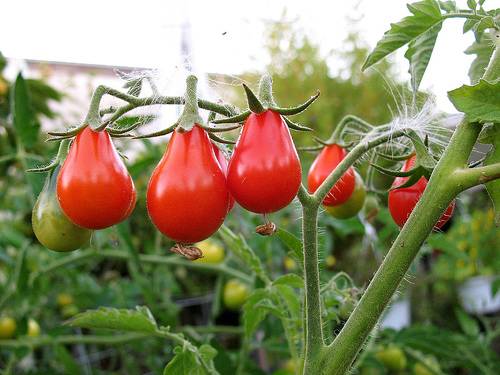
(24, 122)
(139, 320)
(468, 324)
(495, 287)
(239, 246)
(472, 4)
(480, 103)
(207, 352)
(419, 53)
(66, 361)
(252, 315)
(487, 22)
(290, 279)
(293, 243)
(184, 363)
(425, 15)
(448, 6)
(291, 298)
(483, 51)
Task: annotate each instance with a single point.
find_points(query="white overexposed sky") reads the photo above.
(227, 36)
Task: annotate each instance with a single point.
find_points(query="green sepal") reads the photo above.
(254, 104)
(159, 133)
(119, 135)
(71, 132)
(393, 173)
(295, 126)
(129, 128)
(298, 109)
(221, 129)
(234, 119)
(47, 168)
(395, 157)
(414, 178)
(220, 139)
(424, 158)
(310, 148)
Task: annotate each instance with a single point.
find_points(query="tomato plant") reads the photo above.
(51, 226)
(187, 197)
(264, 172)
(94, 188)
(402, 200)
(326, 162)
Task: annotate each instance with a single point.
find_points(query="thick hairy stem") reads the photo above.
(314, 331)
(436, 198)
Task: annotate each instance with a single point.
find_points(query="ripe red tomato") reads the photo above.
(221, 158)
(402, 201)
(187, 197)
(264, 172)
(323, 165)
(94, 188)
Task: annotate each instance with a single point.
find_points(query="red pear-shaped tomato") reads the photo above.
(264, 172)
(323, 165)
(402, 201)
(94, 188)
(187, 196)
(221, 158)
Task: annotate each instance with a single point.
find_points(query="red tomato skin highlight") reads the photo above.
(187, 197)
(94, 188)
(221, 158)
(264, 172)
(402, 201)
(327, 160)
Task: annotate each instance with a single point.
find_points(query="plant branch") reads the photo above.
(144, 258)
(469, 177)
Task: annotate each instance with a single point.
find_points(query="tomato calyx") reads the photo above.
(190, 252)
(264, 101)
(422, 163)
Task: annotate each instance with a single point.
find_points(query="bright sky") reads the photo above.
(226, 35)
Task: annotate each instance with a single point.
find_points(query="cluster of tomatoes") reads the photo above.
(194, 186)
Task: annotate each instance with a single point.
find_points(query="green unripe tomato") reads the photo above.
(213, 252)
(7, 327)
(289, 264)
(51, 227)
(235, 294)
(353, 205)
(392, 357)
(33, 328)
(64, 299)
